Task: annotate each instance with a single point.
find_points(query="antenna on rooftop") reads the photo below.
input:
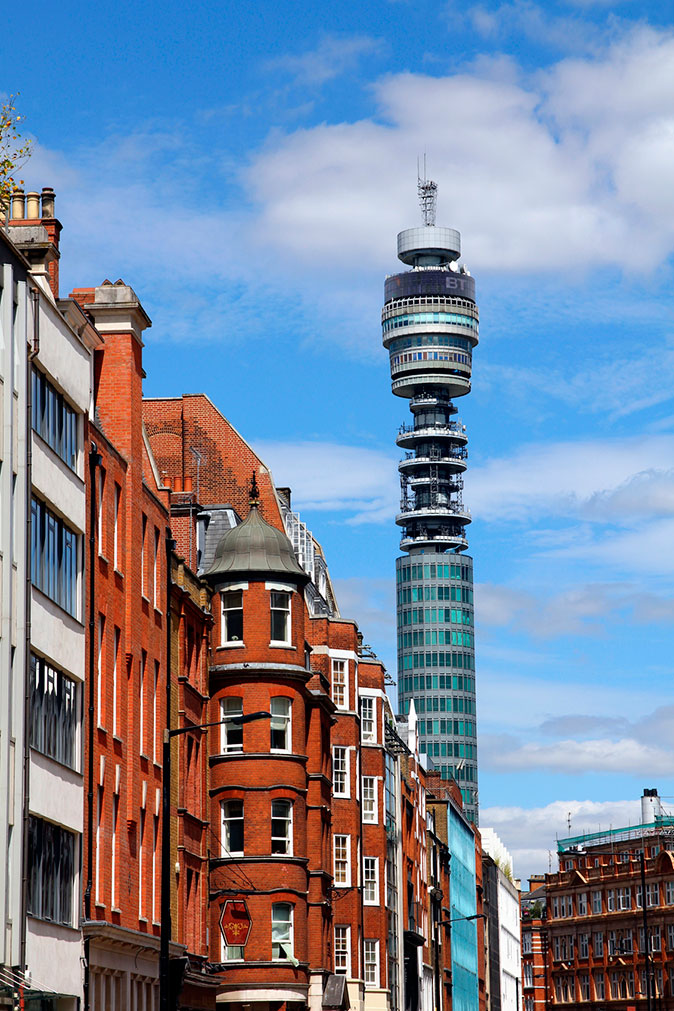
(428, 195)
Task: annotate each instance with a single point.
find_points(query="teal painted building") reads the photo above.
(462, 900)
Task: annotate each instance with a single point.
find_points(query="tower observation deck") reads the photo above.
(430, 327)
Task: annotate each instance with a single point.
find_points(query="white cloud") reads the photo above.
(605, 480)
(333, 56)
(531, 834)
(331, 477)
(500, 753)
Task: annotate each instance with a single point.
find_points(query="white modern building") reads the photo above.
(47, 381)
(502, 906)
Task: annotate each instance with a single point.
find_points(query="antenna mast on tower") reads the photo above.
(428, 196)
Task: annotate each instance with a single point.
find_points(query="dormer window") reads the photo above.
(232, 616)
(280, 617)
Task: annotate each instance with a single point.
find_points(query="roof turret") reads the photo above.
(255, 547)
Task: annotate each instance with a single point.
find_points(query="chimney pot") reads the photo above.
(47, 202)
(177, 484)
(187, 484)
(32, 205)
(18, 205)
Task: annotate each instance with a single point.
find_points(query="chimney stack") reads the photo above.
(36, 232)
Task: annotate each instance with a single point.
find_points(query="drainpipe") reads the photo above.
(94, 462)
(35, 300)
(167, 999)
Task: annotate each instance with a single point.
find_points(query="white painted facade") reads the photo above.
(508, 905)
(14, 298)
(42, 466)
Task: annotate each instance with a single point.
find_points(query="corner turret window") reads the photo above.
(282, 931)
(281, 827)
(280, 617)
(280, 724)
(232, 731)
(232, 828)
(232, 616)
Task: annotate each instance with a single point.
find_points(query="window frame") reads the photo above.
(374, 820)
(286, 619)
(371, 880)
(227, 820)
(344, 950)
(368, 736)
(287, 719)
(290, 939)
(341, 775)
(231, 705)
(341, 840)
(230, 637)
(339, 690)
(55, 707)
(371, 962)
(287, 819)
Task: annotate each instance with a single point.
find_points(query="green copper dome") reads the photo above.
(255, 547)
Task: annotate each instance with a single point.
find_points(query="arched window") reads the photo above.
(232, 828)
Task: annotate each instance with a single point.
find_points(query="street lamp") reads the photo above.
(165, 932)
(456, 919)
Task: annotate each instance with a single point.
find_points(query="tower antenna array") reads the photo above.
(428, 196)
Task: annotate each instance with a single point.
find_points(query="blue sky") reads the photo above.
(247, 167)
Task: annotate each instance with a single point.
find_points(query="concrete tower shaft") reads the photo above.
(430, 327)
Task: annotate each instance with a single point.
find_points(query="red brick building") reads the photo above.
(610, 916)
(535, 981)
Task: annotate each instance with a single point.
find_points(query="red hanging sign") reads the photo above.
(235, 922)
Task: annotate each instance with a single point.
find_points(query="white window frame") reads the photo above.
(225, 596)
(287, 838)
(369, 721)
(287, 719)
(342, 949)
(596, 901)
(226, 818)
(342, 842)
(370, 817)
(288, 942)
(528, 974)
(371, 963)
(231, 705)
(287, 640)
(115, 542)
(371, 882)
(341, 777)
(340, 689)
(156, 571)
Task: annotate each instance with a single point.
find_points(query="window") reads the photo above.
(599, 987)
(113, 861)
(581, 902)
(232, 732)
(370, 800)
(669, 893)
(528, 970)
(51, 871)
(156, 570)
(54, 713)
(583, 945)
(232, 616)
(281, 826)
(282, 931)
(232, 952)
(342, 859)
(53, 557)
(529, 1004)
(53, 419)
(670, 937)
(340, 686)
(280, 724)
(598, 944)
(115, 682)
(610, 900)
(584, 980)
(99, 669)
(371, 963)
(232, 828)
(371, 881)
(141, 701)
(653, 894)
(526, 943)
(100, 532)
(367, 719)
(596, 902)
(340, 772)
(624, 898)
(143, 558)
(343, 950)
(280, 616)
(155, 704)
(115, 543)
(555, 907)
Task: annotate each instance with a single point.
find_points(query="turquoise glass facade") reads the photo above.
(462, 900)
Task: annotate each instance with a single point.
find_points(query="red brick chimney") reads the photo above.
(36, 232)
